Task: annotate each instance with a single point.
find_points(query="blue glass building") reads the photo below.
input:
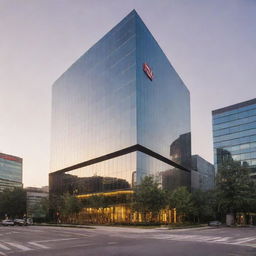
(234, 134)
(120, 112)
(10, 171)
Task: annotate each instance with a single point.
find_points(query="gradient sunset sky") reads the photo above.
(210, 43)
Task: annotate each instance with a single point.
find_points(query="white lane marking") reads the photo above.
(11, 232)
(243, 240)
(223, 239)
(72, 233)
(39, 245)
(28, 229)
(19, 246)
(36, 230)
(4, 247)
(54, 240)
(81, 245)
(210, 239)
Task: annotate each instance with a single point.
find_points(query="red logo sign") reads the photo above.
(147, 69)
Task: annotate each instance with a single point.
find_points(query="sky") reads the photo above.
(210, 43)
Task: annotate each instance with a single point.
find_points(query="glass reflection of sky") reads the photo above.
(94, 102)
(105, 102)
(234, 135)
(10, 170)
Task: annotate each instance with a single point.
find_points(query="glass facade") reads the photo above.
(234, 134)
(112, 125)
(163, 104)
(94, 101)
(10, 171)
(203, 176)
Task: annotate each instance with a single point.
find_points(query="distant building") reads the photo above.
(234, 134)
(10, 171)
(202, 174)
(34, 196)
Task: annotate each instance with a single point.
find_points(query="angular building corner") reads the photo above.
(119, 113)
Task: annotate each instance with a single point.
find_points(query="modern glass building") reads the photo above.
(234, 134)
(120, 112)
(10, 171)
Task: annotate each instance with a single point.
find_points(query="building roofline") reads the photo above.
(10, 157)
(198, 156)
(123, 20)
(234, 106)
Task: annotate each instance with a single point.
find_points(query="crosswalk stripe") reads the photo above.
(112, 243)
(4, 247)
(222, 239)
(243, 240)
(19, 246)
(210, 239)
(39, 245)
(78, 234)
(55, 240)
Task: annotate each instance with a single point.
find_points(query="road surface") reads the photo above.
(108, 241)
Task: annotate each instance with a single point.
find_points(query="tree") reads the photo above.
(71, 205)
(13, 203)
(148, 197)
(55, 206)
(235, 188)
(204, 205)
(98, 201)
(181, 199)
(41, 209)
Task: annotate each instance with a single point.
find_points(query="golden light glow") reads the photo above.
(115, 193)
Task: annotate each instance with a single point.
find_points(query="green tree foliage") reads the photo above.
(13, 203)
(204, 205)
(41, 209)
(71, 205)
(148, 197)
(55, 203)
(98, 201)
(235, 189)
(181, 199)
(104, 201)
(235, 192)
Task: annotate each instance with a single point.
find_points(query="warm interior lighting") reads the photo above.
(114, 193)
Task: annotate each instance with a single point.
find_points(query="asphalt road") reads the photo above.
(108, 241)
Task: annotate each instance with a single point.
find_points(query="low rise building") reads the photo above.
(34, 197)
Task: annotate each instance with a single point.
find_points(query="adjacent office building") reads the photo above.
(234, 134)
(119, 113)
(202, 174)
(10, 171)
(34, 197)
